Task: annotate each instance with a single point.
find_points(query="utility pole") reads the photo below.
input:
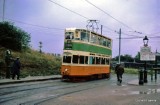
(3, 10)
(119, 46)
(40, 46)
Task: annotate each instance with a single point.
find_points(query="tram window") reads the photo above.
(98, 59)
(104, 42)
(67, 59)
(103, 61)
(92, 60)
(86, 60)
(75, 59)
(81, 60)
(93, 39)
(84, 36)
(69, 35)
(108, 43)
(107, 61)
(101, 40)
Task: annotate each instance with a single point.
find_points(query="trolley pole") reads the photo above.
(101, 29)
(119, 46)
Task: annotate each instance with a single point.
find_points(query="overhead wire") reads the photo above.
(34, 25)
(83, 17)
(108, 14)
(69, 9)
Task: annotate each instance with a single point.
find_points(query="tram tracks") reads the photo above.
(36, 95)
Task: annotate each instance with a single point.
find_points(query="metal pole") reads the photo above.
(3, 10)
(145, 72)
(119, 45)
(101, 29)
(156, 67)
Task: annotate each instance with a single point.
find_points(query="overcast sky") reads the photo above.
(46, 20)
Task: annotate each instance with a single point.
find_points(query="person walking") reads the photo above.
(16, 68)
(119, 70)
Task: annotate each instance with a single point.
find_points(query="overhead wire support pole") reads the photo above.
(119, 46)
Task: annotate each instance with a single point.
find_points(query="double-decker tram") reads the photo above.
(86, 54)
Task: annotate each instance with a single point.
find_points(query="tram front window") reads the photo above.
(69, 35)
(66, 59)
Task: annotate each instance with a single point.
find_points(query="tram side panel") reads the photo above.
(78, 71)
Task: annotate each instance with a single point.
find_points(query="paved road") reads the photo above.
(107, 92)
(99, 92)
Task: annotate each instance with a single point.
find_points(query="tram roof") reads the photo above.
(73, 29)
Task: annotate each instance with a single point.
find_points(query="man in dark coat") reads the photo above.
(119, 70)
(16, 68)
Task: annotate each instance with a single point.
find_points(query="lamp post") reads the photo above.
(145, 41)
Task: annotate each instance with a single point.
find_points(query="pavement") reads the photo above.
(54, 77)
(29, 79)
(149, 83)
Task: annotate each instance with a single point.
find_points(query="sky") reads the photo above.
(46, 20)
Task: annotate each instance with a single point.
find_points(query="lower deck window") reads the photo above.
(75, 59)
(98, 60)
(92, 60)
(81, 60)
(103, 61)
(67, 59)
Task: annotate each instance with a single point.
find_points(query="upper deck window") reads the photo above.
(93, 39)
(69, 35)
(85, 36)
(109, 43)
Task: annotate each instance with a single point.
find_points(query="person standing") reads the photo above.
(119, 70)
(16, 68)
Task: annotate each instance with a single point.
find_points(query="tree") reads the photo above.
(124, 58)
(13, 37)
(137, 58)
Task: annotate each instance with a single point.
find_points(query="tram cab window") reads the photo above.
(69, 35)
(84, 36)
(75, 59)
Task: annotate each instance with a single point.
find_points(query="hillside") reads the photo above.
(33, 63)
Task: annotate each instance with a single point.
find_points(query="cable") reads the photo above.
(69, 10)
(34, 24)
(108, 14)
